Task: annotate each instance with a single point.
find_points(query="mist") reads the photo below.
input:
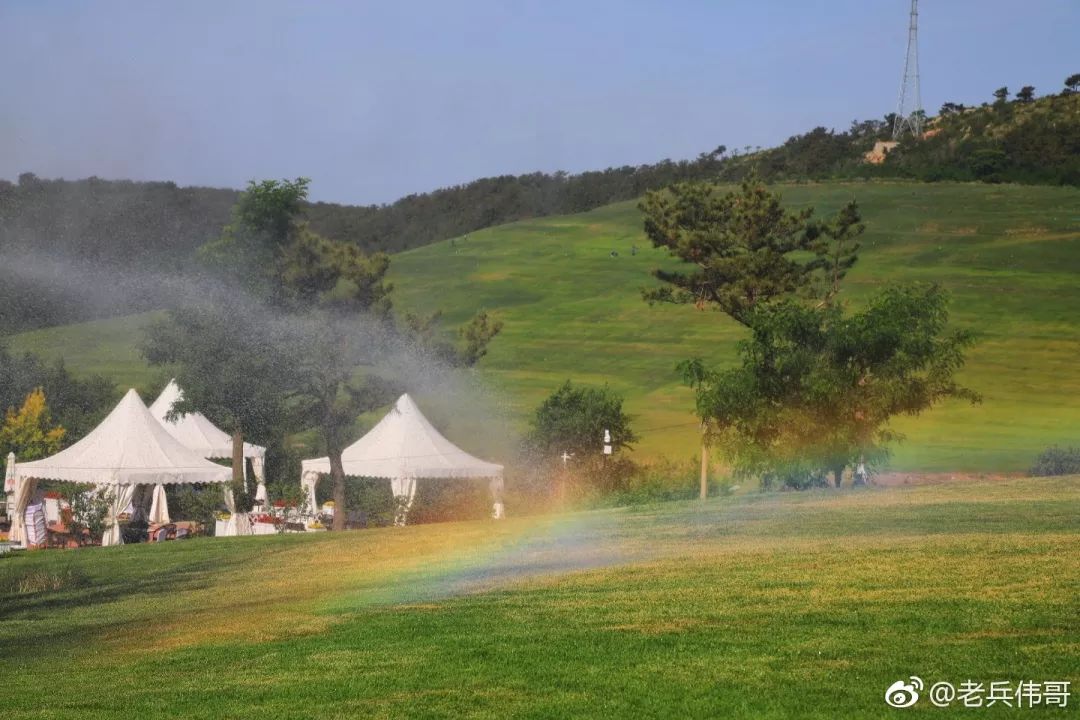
(456, 400)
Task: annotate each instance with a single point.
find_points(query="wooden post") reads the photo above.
(704, 467)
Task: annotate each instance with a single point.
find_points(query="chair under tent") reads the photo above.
(405, 447)
(129, 452)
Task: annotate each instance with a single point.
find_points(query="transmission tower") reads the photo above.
(909, 112)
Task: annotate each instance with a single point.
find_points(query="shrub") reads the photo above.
(662, 481)
(573, 419)
(450, 499)
(199, 503)
(440, 500)
(89, 510)
(1057, 461)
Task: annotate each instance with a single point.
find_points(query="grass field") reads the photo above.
(1009, 254)
(769, 605)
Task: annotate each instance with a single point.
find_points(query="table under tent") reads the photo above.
(198, 434)
(129, 453)
(405, 447)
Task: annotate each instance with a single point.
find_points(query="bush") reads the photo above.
(662, 481)
(573, 419)
(451, 499)
(89, 510)
(440, 500)
(199, 503)
(1057, 461)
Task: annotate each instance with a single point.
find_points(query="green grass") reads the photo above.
(774, 605)
(105, 347)
(1010, 256)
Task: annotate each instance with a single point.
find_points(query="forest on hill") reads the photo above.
(58, 236)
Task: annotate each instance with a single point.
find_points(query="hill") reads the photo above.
(777, 605)
(55, 234)
(58, 237)
(1009, 255)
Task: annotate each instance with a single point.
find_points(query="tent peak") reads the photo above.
(194, 430)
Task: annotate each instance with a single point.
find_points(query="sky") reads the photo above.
(374, 101)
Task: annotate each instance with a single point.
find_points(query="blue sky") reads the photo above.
(377, 100)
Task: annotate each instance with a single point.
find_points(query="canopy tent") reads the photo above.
(403, 447)
(128, 449)
(197, 433)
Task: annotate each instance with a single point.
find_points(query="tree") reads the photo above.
(1026, 94)
(253, 247)
(29, 432)
(573, 419)
(836, 250)
(1001, 95)
(329, 395)
(332, 391)
(816, 388)
(236, 373)
(987, 164)
(1072, 83)
(950, 108)
(744, 247)
(77, 404)
(319, 310)
(239, 357)
(474, 338)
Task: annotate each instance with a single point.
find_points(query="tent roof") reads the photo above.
(129, 447)
(194, 430)
(405, 445)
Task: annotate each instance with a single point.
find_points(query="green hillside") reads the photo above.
(776, 605)
(1009, 254)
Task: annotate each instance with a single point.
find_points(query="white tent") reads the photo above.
(403, 447)
(197, 433)
(128, 449)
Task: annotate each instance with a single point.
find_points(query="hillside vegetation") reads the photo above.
(1008, 254)
(60, 238)
(777, 605)
(56, 234)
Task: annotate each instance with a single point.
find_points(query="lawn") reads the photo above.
(761, 605)
(1010, 255)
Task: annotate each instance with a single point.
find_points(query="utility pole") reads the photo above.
(909, 110)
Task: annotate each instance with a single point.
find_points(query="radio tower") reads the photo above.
(909, 112)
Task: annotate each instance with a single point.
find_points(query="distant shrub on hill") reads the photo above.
(1057, 461)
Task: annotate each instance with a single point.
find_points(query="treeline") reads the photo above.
(1024, 139)
(79, 404)
(60, 240)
